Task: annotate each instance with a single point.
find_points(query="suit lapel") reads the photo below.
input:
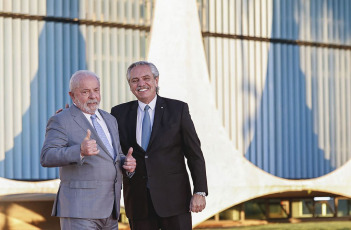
(159, 110)
(80, 119)
(131, 122)
(110, 125)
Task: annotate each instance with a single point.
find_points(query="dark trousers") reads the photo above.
(155, 222)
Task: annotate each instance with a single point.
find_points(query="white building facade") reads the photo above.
(268, 84)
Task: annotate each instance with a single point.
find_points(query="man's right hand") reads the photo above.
(88, 147)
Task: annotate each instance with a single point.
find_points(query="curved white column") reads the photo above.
(177, 50)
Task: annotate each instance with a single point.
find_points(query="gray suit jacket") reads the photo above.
(91, 187)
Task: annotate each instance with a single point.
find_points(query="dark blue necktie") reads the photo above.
(102, 135)
(146, 129)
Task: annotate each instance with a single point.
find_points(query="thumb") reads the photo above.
(88, 135)
(191, 204)
(130, 151)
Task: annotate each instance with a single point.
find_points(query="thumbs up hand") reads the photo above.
(129, 162)
(88, 147)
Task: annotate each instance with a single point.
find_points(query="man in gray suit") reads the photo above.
(84, 142)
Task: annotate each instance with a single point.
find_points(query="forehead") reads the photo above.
(88, 82)
(140, 71)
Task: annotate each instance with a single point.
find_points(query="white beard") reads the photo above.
(85, 108)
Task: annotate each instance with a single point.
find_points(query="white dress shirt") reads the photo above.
(140, 117)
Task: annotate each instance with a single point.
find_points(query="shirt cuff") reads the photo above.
(201, 193)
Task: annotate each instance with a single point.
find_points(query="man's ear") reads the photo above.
(71, 95)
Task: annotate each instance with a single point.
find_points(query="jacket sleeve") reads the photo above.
(56, 151)
(193, 153)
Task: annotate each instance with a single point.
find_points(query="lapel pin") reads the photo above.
(161, 107)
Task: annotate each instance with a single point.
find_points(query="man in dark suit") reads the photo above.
(161, 132)
(83, 141)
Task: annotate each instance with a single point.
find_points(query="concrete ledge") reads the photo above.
(12, 190)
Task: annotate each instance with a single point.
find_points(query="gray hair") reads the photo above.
(153, 69)
(77, 76)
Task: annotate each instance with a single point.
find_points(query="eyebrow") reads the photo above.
(89, 89)
(147, 75)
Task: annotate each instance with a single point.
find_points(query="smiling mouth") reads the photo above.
(142, 90)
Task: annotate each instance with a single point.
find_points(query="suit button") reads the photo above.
(146, 157)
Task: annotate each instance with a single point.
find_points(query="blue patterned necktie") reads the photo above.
(102, 135)
(146, 129)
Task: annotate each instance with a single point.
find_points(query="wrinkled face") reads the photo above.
(143, 84)
(87, 94)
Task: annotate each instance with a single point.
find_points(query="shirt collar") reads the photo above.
(152, 104)
(97, 113)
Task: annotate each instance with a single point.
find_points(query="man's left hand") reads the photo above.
(60, 110)
(197, 203)
(129, 162)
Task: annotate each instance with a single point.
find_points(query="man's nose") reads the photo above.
(141, 82)
(92, 95)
